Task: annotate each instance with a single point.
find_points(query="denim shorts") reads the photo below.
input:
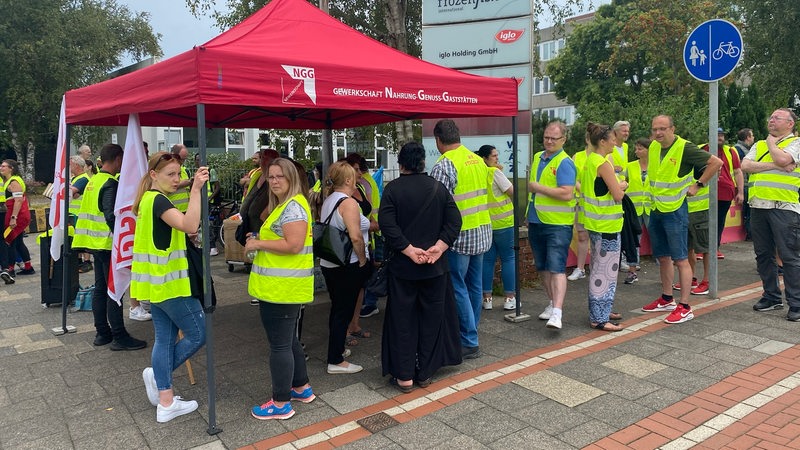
(550, 246)
(669, 233)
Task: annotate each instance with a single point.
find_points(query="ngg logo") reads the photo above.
(302, 72)
(509, 36)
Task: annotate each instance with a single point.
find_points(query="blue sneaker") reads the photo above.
(307, 396)
(269, 411)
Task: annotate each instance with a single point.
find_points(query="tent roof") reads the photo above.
(290, 65)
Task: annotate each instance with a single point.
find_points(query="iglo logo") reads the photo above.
(509, 36)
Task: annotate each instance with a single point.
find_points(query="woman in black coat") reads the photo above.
(419, 220)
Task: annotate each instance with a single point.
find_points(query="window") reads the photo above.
(235, 137)
(542, 85)
(565, 113)
(549, 49)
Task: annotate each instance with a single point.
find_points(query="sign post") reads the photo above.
(711, 53)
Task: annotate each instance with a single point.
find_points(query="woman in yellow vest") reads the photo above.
(602, 217)
(282, 279)
(639, 193)
(160, 274)
(18, 217)
(501, 211)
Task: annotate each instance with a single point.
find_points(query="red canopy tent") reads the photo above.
(289, 65)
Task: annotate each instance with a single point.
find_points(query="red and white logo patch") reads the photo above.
(300, 76)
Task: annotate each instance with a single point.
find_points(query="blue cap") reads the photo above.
(720, 131)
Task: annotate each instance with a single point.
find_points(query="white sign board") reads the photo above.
(453, 11)
(502, 143)
(523, 75)
(500, 42)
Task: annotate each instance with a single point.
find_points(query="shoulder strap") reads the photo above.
(336, 206)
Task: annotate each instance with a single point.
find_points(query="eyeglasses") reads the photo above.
(788, 119)
(272, 178)
(553, 139)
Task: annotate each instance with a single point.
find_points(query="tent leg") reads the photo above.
(65, 251)
(517, 315)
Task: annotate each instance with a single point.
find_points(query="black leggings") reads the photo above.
(343, 284)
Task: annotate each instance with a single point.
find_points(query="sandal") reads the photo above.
(615, 316)
(425, 383)
(350, 340)
(402, 388)
(361, 334)
(607, 326)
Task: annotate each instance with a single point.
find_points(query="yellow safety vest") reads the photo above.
(277, 278)
(619, 160)
(75, 203)
(667, 189)
(316, 188)
(601, 213)
(775, 185)
(157, 275)
(549, 210)
(470, 191)
(91, 230)
(699, 202)
(2, 190)
(501, 209)
(180, 198)
(638, 190)
(375, 194)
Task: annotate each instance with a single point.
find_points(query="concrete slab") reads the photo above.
(635, 366)
(737, 339)
(562, 389)
(351, 398)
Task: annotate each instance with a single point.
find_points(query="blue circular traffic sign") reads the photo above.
(713, 50)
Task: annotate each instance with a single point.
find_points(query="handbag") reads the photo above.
(331, 243)
(83, 300)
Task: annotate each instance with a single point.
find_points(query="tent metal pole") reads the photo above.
(517, 315)
(212, 384)
(66, 280)
(327, 146)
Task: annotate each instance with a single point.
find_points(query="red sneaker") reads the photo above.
(701, 288)
(720, 255)
(677, 286)
(679, 315)
(659, 305)
(699, 257)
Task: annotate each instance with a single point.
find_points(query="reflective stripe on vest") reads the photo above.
(551, 211)
(638, 190)
(699, 201)
(180, 198)
(157, 275)
(601, 213)
(668, 190)
(75, 203)
(470, 191)
(91, 230)
(775, 185)
(501, 209)
(278, 278)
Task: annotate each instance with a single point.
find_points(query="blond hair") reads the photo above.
(295, 185)
(338, 173)
(147, 183)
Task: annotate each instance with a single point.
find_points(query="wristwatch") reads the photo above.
(700, 183)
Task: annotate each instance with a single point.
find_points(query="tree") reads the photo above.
(771, 49)
(49, 47)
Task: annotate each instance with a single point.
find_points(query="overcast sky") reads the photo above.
(180, 30)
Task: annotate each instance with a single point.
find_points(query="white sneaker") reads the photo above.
(213, 251)
(139, 314)
(150, 385)
(487, 303)
(350, 368)
(178, 407)
(547, 312)
(577, 274)
(510, 304)
(554, 322)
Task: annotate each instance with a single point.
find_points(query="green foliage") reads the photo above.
(230, 170)
(742, 109)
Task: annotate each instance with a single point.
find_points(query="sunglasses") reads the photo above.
(165, 157)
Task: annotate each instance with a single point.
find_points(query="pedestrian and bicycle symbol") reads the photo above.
(718, 39)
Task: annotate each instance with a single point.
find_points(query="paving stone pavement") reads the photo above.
(727, 378)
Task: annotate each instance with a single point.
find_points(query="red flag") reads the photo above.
(134, 166)
(57, 214)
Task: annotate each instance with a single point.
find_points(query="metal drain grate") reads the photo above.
(377, 422)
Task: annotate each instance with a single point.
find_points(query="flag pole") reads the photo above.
(65, 278)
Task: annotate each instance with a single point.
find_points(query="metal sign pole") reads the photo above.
(713, 221)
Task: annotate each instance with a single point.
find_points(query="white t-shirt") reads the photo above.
(338, 222)
(500, 184)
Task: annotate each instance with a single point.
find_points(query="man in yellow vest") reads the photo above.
(94, 232)
(551, 213)
(180, 198)
(774, 183)
(77, 168)
(464, 174)
(672, 162)
(619, 157)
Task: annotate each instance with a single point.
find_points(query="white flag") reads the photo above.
(57, 214)
(134, 166)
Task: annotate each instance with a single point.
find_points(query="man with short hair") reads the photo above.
(672, 163)
(85, 152)
(775, 211)
(94, 232)
(464, 174)
(551, 213)
(619, 157)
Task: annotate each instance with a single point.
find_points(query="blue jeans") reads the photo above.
(180, 313)
(287, 362)
(466, 273)
(669, 233)
(502, 246)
